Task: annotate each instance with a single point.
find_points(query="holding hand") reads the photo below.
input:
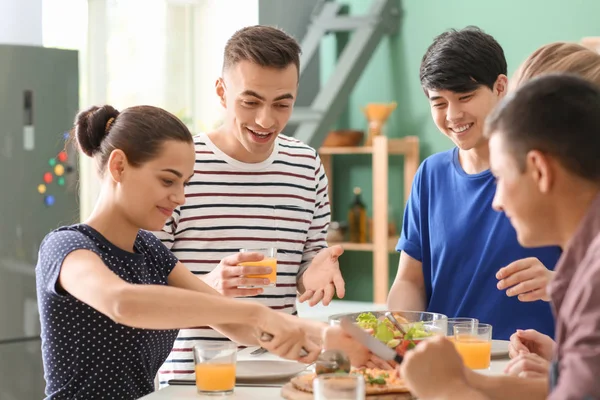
(228, 276)
(526, 278)
(434, 369)
(528, 365)
(531, 341)
(289, 336)
(335, 338)
(323, 277)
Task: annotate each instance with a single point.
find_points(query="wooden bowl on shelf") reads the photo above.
(344, 138)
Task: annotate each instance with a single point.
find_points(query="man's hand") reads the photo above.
(531, 341)
(335, 338)
(528, 365)
(526, 278)
(434, 370)
(323, 278)
(228, 275)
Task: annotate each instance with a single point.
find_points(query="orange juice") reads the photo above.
(476, 353)
(266, 262)
(215, 377)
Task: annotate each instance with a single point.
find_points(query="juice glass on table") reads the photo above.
(339, 387)
(474, 344)
(215, 367)
(460, 321)
(270, 260)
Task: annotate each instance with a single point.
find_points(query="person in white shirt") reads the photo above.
(254, 188)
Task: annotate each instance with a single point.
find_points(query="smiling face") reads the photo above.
(148, 194)
(524, 196)
(258, 102)
(461, 116)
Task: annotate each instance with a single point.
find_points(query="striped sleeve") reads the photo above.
(168, 232)
(317, 233)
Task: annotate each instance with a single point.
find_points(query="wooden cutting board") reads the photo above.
(289, 392)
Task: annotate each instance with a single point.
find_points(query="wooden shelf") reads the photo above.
(403, 146)
(345, 150)
(382, 245)
(366, 246)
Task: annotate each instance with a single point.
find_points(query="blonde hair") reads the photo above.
(559, 57)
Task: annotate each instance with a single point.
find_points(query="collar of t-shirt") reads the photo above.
(239, 164)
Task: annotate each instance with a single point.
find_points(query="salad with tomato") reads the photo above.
(384, 330)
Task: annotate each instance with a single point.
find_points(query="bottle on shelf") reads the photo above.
(357, 219)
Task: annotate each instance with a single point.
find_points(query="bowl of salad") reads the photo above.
(416, 325)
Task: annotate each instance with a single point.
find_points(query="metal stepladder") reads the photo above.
(367, 31)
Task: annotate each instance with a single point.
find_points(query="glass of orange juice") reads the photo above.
(215, 367)
(474, 344)
(270, 260)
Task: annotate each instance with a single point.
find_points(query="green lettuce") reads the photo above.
(384, 333)
(417, 331)
(367, 321)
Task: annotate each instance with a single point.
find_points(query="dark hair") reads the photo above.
(138, 131)
(461, 61)
(263, 45)
(558, 114)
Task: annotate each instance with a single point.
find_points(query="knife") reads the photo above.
(371, 343)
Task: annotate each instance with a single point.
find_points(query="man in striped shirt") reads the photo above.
(254, 188)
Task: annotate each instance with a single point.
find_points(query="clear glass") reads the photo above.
(474, 344)
(270, 260)
(215, 367)
(339, 387)
(460, 321)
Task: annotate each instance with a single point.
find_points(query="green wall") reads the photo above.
(520, 26)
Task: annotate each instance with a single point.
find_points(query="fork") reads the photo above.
(259, 351)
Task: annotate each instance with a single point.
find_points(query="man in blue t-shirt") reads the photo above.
(454, 246)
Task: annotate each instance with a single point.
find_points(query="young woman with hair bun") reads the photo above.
(111, 296)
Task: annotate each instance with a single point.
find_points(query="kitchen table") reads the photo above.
(258, 392)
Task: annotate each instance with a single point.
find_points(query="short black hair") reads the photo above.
(558, 114)
(461, 61)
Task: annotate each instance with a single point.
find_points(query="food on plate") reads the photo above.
(384, 330)
(377, 381)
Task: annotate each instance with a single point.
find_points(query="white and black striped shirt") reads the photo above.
(281, 202)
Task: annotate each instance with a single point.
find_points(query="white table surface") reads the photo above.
(263, 393)
(319, 313)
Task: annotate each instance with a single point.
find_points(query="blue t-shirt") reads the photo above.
(450, 226)
(86, 355)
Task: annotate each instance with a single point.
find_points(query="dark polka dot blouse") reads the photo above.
(86, 355)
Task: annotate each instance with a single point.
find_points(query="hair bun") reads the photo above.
(91, 127)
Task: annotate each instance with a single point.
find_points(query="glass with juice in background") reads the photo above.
(474, 344)
(215, 367)
(270, 260)
(460, 321)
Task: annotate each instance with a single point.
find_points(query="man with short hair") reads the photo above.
(453, 243)
(254, 188)
(544, 145)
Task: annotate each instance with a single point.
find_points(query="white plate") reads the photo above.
(500, 348)
(267, 369)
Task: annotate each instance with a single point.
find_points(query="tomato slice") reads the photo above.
(402, 347)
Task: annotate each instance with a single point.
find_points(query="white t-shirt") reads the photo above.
(281, 202)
